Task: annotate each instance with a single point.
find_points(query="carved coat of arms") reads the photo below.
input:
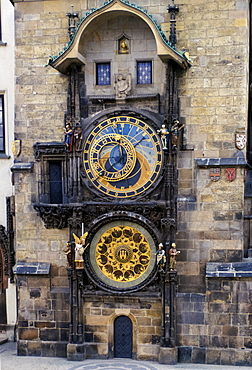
(240, 140)
(214, 174)
(16, 147)
(230, 174)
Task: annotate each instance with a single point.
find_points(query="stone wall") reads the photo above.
(210, 218)
(215, 328)
(100, 313)
(43, 312)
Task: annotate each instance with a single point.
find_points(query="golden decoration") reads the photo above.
(122, 157)
(122, 253)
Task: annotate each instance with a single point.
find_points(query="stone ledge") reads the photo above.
(3, 338)
(232, 269)
(22, 167)
(3, 155)
(215, 356)
(31, 268)
(113, 97)
(168, 356)
(220, 162)
(76, 352)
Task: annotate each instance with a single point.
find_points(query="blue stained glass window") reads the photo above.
(144, 72)
(103, 73)
(2, 123)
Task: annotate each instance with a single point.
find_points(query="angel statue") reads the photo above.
(80, 246)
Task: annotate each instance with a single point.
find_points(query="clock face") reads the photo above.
(122, 157)
(122, 254)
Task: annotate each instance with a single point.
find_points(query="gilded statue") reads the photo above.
(123, 47)
(80, 246)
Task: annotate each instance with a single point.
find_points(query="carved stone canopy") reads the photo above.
(74, 52)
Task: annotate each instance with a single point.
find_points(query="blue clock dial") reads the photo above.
(122, 157)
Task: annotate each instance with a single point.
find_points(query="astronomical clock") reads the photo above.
(123, 163)
(122, 157)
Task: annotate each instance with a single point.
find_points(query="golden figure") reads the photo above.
(79, 250)
(123, 47)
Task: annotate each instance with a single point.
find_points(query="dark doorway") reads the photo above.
(123, 337)
(3, 316)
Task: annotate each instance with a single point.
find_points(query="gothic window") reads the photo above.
(103, 73)
(144, 72)
(2, 140)
(52, 172)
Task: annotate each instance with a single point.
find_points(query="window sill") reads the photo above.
(3, 43)
(100, 86)
(145, 85)
(4, 156)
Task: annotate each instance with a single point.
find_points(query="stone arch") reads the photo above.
(111, 320)
(73, 53)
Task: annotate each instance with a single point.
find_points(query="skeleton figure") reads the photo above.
(165, 135)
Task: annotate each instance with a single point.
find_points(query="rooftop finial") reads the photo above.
(173, 9)
(71, 22)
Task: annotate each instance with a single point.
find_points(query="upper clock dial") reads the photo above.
(122, 156)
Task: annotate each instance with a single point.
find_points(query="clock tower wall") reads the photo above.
(97, 156)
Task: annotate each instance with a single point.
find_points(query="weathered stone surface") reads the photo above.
(28, 334)
(75, 352)
(168, 356)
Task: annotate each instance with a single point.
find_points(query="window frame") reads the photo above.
(98, 63)
(151, 65)
(59, 193)
(2, 43)
(1, 40)
(2, 114)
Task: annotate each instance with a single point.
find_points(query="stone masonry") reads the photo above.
(213, 313)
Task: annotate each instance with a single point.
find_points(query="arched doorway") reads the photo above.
(123, 337)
